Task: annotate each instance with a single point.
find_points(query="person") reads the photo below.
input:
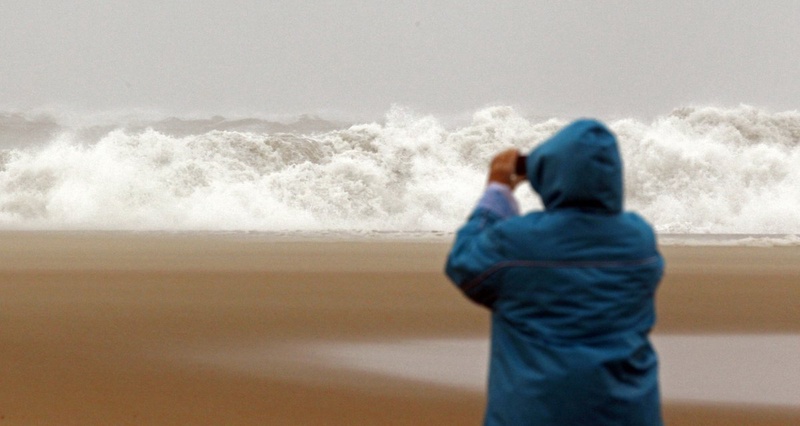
(571, 288)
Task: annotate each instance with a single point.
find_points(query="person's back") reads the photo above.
(571, 289)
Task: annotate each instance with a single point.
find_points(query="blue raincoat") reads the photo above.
(571, 291)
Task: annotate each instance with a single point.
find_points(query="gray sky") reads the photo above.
(601, 58)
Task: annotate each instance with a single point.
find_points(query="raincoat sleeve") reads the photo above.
(478, 245)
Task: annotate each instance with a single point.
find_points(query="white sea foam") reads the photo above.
(694, 171)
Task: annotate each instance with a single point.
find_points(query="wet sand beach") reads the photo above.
(193, 328)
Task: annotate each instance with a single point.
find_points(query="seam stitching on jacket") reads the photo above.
(469, 285)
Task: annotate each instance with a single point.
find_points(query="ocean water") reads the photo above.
(750, 369)
(696, 171)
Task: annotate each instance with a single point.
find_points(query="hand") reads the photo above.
(503, 167)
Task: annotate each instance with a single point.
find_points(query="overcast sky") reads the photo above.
(601, 58)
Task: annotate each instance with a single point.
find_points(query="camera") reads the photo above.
(521, 169)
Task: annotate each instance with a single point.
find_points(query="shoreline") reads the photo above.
(375, 235)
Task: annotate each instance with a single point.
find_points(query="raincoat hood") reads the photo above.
(578, 167)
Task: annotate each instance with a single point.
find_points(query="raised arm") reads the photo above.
(478, 244)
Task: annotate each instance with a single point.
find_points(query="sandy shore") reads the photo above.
(118, 328)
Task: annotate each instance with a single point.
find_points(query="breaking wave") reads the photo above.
(698, 170)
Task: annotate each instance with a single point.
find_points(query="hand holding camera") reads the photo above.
(508, 168)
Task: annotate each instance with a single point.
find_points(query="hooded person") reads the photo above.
(571, 288)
